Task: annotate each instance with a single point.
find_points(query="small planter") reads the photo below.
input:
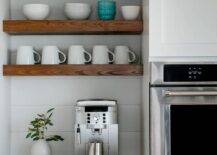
(38, 132)
(40, 147)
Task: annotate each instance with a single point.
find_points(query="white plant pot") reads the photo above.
(40, 147)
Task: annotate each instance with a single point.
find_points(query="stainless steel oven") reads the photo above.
(183, 109)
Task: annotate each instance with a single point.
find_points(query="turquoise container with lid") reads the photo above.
(106, 9)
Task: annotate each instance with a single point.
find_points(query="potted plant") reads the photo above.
(38, 132)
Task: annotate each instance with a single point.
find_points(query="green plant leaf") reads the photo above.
(36, 138)
(32, 129)
(51, 124)
(61, 139)
(58, 137)
(55, 138)
(50, 139)
(40, 115)
(47, 121)
(32, 122)
(28, 135)
(34, 135)
(50, 110)
(50, 115)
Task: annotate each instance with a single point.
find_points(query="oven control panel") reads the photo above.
(194, 72)
(190, 73)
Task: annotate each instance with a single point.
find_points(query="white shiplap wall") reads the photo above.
(31, 95)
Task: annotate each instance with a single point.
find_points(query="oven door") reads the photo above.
(183, 120)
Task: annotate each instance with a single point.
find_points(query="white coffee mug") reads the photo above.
(76, 55)
(25, 56)
(101, 55)
(122, 55)
(51, 55)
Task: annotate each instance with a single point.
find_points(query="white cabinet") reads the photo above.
(183, 28)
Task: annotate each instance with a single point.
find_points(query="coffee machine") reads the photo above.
(96, 127)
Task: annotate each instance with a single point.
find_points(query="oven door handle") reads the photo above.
(190, 93)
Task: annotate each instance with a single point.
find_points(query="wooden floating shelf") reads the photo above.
(26, 27)
(72, 70)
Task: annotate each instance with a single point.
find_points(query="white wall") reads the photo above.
(4, 85)
(30, 95)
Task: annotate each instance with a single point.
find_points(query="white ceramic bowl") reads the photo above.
(130, 12)
(77, 11)
(36, 11)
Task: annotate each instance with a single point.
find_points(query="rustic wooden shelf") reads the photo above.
(26, 27)
(72, 70)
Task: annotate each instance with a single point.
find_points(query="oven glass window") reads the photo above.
(193, 130)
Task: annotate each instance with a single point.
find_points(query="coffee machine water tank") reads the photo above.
(96, 122)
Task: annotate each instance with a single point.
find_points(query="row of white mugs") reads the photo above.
(76, 55)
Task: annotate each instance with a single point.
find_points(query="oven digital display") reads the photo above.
(190, 73)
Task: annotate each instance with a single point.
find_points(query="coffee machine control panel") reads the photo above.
(96, 113)
(96, 118)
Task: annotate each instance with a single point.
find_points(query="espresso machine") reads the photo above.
(96, 127)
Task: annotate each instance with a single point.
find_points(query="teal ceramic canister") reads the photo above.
(106, 9)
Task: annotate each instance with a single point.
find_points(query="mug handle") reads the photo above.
(133, 56)
(113, 56)
(38, 55)
(89, 55)
(64, 57)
